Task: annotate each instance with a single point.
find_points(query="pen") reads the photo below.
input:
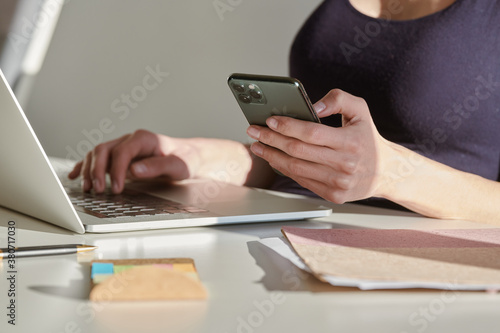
(47, 250)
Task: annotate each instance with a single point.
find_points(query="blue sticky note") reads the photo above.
(101, 268)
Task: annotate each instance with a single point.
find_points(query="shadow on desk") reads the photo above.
(123, 316)
(24, 222)
(72, 291)
(132, 316)
(281, 275)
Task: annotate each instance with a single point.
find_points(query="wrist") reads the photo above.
(219, 159)
(395, 165)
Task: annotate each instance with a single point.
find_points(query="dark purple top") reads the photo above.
(432, 84)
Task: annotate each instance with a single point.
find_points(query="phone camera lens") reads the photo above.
(245, 98)
(239, 87)
(256, 94)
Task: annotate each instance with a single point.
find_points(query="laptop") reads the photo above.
(30, 184)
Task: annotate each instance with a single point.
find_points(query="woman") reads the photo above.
(424, 133)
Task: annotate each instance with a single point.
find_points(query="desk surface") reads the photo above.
(251, 289)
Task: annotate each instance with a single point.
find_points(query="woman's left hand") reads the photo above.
(339, 164)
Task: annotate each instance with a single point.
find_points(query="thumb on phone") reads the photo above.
(337, 101)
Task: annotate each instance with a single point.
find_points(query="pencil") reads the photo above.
(47, 250)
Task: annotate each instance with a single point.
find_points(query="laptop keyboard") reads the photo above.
(127, 204)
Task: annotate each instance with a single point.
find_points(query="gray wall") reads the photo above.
(103, 51)
(7, 8)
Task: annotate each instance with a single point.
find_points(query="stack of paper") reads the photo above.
(461, 259)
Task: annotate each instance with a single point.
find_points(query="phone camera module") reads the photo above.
(239, 87)
(248, 92)
(256, 94)
(245, 98)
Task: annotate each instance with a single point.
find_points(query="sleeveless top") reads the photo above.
(432, 84)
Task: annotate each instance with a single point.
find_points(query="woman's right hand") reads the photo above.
(144, 154)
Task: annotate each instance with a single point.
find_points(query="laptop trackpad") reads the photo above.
(197, 192)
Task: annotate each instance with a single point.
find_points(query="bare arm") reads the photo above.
(230, 161)
(144, 155)
(436, 190)
(354, 162)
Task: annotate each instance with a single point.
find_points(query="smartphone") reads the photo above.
(262, 96)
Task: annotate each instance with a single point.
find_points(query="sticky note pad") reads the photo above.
(98, 278)
(184, 267)
(121, 268)
(101, 268)
(166, 266)
(145, 279)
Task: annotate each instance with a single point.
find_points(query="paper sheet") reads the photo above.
(464, 259)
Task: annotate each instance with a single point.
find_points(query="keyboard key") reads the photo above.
(129, 203)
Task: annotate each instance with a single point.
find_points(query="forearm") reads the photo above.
(436, 190)
(232, 162)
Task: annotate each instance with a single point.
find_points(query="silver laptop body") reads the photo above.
(29, 184)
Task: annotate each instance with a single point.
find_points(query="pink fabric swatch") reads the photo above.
(395, 238)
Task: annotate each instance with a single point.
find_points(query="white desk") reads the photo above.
(251, 289)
